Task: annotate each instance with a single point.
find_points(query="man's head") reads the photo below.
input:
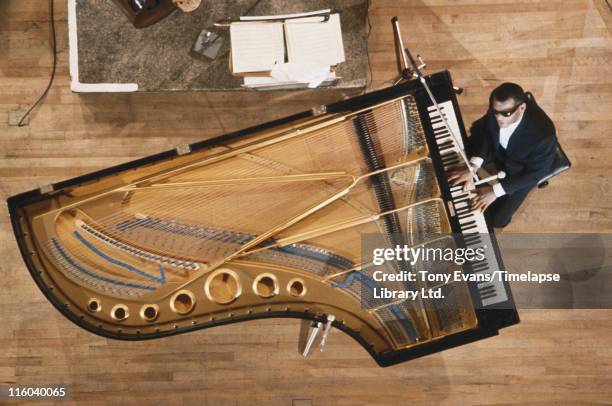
(507, 101)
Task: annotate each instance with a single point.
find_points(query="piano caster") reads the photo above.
(542, 185)
(457, 90)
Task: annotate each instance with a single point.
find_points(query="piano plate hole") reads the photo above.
(296, 287)
(182, 302)
(223, 286)
(265, 285)
(149, 312)
(120, 312)
(94, 305)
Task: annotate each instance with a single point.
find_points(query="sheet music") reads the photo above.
(311, 41)
(256, 47)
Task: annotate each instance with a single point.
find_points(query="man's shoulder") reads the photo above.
(539, 125)
(482, 124)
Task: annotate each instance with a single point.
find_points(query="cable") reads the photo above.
(246, 13)
(368, 45)
(608, 3)
(22, 122)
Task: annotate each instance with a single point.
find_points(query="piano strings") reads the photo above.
(272, 223)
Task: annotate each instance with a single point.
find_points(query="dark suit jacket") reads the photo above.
(530, 151)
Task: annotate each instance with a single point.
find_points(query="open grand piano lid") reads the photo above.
(265, 222)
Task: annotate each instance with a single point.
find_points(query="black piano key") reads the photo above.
(463, 210)
(488, 292)
(451, 161)
(447, 145)
(462, 199)
(480, 267)
(441, 130)
(488, 296)
(464, 229)
(469, 240)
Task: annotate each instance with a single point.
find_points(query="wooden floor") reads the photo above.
(561, 50)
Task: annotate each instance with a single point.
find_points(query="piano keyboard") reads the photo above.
(472, 223)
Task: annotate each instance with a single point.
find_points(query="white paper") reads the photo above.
(291, 73)
(311, 41)
(312, 74)
(256, 47)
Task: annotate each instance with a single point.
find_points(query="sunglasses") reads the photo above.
(506, 113)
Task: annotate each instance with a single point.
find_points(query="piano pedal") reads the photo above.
(314, 332)
(330, 320)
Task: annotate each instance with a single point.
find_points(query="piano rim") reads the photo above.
(384, 359)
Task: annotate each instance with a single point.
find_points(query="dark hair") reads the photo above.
(506, 91)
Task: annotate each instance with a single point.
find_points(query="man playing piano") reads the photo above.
(518, 138)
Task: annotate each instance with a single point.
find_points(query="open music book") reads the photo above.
(256, 46)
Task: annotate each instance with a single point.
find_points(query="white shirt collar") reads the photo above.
(505, 133)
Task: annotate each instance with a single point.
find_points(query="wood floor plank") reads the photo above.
(560, 50)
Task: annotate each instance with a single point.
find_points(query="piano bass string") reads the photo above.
(268, 222)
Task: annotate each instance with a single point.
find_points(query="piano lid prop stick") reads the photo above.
(405, 72)
(417, 73)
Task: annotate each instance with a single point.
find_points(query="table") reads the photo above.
(107, 54)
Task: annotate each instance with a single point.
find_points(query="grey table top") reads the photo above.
(160, 57)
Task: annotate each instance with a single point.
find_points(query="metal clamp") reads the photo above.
(183, 149)
(318, 110)
(48, 188)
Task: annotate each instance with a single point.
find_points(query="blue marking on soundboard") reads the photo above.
(93, 275)
(236, 238)
(334, 260)
(162, 275)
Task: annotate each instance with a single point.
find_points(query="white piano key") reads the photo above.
(442, 135)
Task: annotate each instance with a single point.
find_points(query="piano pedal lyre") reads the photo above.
(314, 331)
